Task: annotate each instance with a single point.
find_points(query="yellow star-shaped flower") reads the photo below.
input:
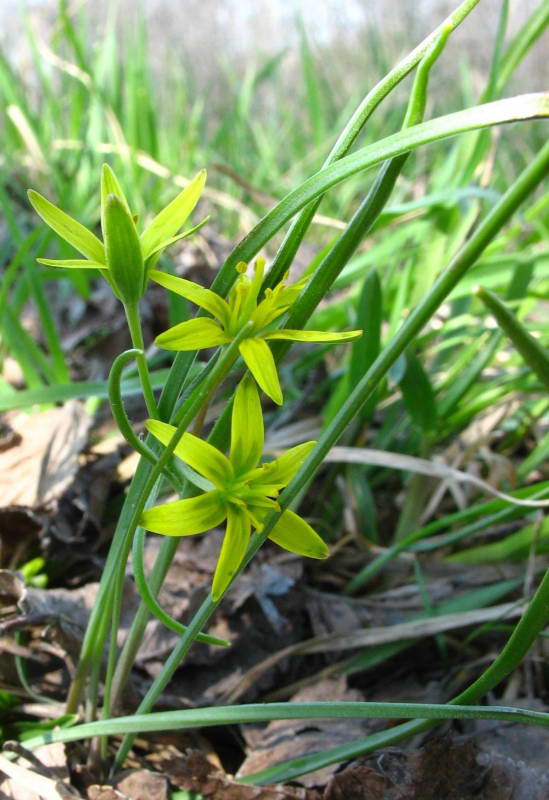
(231, 315)
(242, 492)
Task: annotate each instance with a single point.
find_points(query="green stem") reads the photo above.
(121, 418)
(134, 325)
(141, 489)
(189, 410)
(149, 599)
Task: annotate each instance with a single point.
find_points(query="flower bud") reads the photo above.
(123, 251)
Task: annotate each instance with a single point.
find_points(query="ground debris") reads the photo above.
(281, 740)
(445, 767)
(193, 772)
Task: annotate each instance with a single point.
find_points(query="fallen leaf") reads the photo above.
(44, 458)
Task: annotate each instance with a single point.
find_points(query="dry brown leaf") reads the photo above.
(44, 459)
(43, 776)
(142, 784)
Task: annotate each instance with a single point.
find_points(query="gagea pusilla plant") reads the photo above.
(246, 320)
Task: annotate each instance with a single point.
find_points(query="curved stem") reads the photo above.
(134, 325)
(149, 599)
(188, 411)
(121, 418)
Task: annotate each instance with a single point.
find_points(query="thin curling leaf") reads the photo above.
(185, 517)
(260, 362)
(68, 228)
(313, 336)
(532, 351)
(193, 334)
(205, 298)
(294, 534)
(247, 433)
(233, 550)
(123, 250)
(173, 216)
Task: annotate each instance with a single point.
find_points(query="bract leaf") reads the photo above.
(205, 298)
(173, 216)
(198, 454)
(313, 336)
(193, 334)
(68, 228)
(233, 550)
(71, 263)
(292, 533)
(247, 433)
(260, 362)
(185, 517)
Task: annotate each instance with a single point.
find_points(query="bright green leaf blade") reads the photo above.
(247, 432)
(198, 454)
(193, 334)
(68, 228)
(532, 351)
(233, 550)
(294, 534)
(205, 298)
(313, 336)
(171, 218)
(71, 263)
(185, 517)
(260, 362)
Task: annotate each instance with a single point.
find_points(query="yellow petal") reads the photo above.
(233, 550)
(260, 362)
(198, 454)
(247, 433)
(281, 471)
(198, 295)
(292, 533)
(185, 517)
(313, 336)
(194, 334)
